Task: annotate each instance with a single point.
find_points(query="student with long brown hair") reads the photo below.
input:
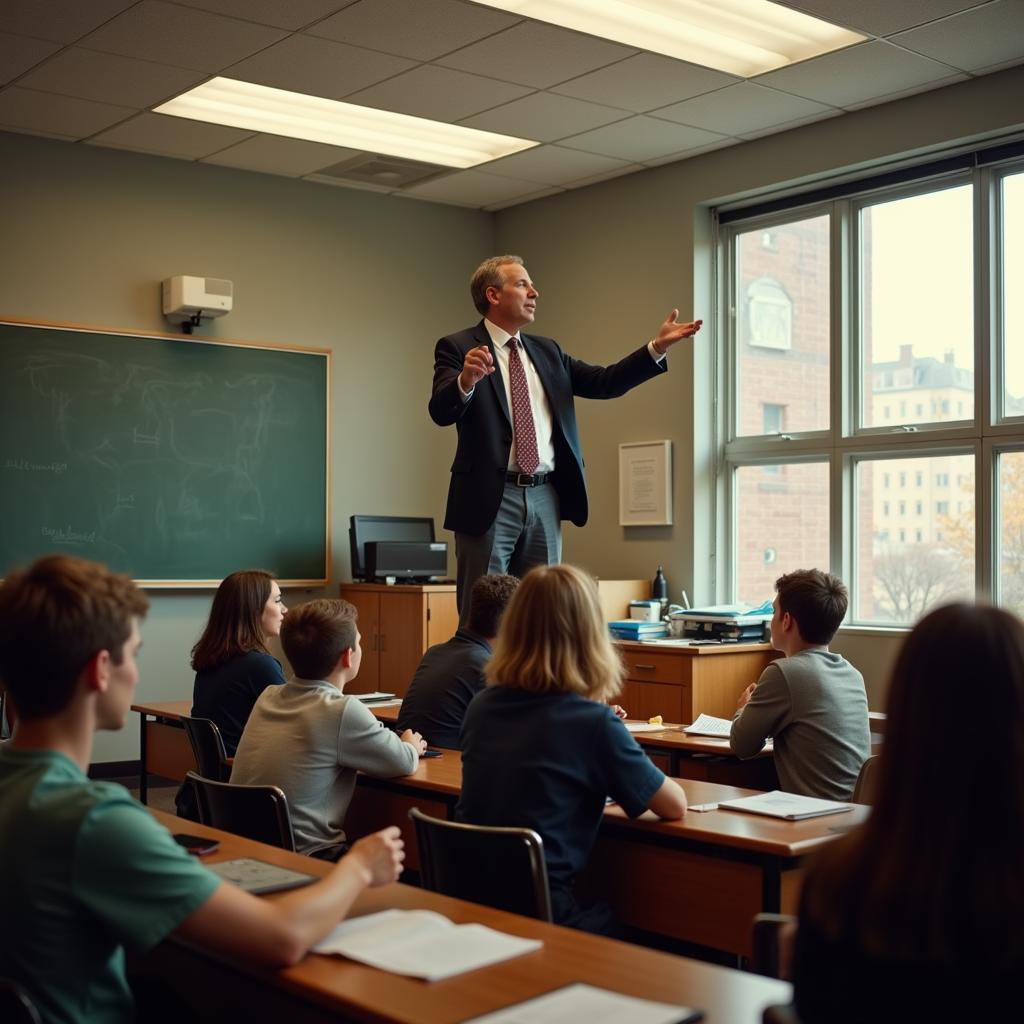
(919, 914)
(231, 661)
(541, 748)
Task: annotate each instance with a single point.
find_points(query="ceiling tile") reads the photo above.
(688, 154)
(19, 53)
(880, 17)
(544, 117)
(954, 77)
(607, 175)
(273, 154)
(856, 74)
(170, 136)
(644, 82)
(421, 29)
(69, 116)
(438, 93)
(361, 186)
(177, 35)
(61, 21)
(535, 54)
(109, 78)
(799, 122)
(471, 188)
(976, 39)
(641, 138)
(740, 108)
(553, 165)
(519, 200)
(318, 67)
(294, 14)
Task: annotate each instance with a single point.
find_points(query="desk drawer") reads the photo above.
(655, 667)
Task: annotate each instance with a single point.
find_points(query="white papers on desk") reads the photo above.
(422, 944)
(790, 806)
(377, 697)
(708, 725)
(574, 1003)
(644, 727)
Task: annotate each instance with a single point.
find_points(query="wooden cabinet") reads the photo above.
(397, 625)
(679, 683)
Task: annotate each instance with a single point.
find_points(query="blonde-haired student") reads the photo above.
(541, 748)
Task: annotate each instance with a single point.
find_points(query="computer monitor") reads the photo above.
(363, 529)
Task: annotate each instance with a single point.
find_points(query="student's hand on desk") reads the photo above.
(620, 711)
(745, 696)
(381, 855)
(414, 739)
(477, 365)
(672, 330)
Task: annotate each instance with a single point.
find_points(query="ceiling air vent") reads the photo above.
(383, 171)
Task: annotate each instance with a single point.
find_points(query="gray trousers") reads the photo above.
(525, 533)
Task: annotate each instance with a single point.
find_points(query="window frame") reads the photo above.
(847, 441)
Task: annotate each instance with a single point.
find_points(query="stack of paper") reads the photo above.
(790, 806)
(422, 944)
(375, 698)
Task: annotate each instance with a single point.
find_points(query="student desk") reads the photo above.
(701, 879)
(164, 750)
(321, 988)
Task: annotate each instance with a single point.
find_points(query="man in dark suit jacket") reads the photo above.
(518, 468)
(452, 674)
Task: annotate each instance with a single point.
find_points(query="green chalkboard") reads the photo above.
(174, 459)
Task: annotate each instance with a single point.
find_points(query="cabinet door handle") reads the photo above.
(644, 668)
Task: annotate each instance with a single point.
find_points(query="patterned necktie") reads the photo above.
(522, 414)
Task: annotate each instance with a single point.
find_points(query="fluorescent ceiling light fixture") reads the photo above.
(741, 37)
(297, 116)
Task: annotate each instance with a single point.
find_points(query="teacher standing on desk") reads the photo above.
(518, 469)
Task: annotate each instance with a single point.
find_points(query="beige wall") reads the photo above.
(87, 234)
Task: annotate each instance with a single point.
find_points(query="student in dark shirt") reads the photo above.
(451, 674)
(541, 748)
(231, 661)
(917, 914)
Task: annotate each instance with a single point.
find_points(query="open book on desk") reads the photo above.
(790, 806)
(422, 944)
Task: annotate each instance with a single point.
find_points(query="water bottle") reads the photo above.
(659, 589)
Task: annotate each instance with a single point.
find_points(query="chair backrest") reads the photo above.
(208, 748)
(864, 790)
(499, 867)
(256, 812)
(16, 1007)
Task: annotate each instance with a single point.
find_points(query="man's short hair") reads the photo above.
(487, 601)
(488, 275)
(316, 634)
(58, 614)
(817, 601)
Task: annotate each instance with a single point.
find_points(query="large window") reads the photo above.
(873, 392)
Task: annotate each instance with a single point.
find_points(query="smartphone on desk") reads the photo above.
(197, 845)
(430, 752)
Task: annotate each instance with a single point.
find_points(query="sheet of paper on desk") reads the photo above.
(791, 806)
(645, 726)
(377, 697)
(579, 1002)
(422, 944)
(708, 725)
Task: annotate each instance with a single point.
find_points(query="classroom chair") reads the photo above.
(864, 790)
(256, 812)
(499, 867)
(766, 945)
(208, 748)
(16, 1006)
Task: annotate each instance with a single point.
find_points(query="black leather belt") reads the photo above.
(526, 479)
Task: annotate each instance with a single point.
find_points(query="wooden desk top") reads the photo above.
(365, 994)
(690, 650)
(731, 829)
(171, 709)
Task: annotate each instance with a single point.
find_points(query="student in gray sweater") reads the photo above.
(310, 739)
(811, 702)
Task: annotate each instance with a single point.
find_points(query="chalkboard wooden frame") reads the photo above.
(171, 451)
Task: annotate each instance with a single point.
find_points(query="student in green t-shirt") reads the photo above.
(85, 872)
